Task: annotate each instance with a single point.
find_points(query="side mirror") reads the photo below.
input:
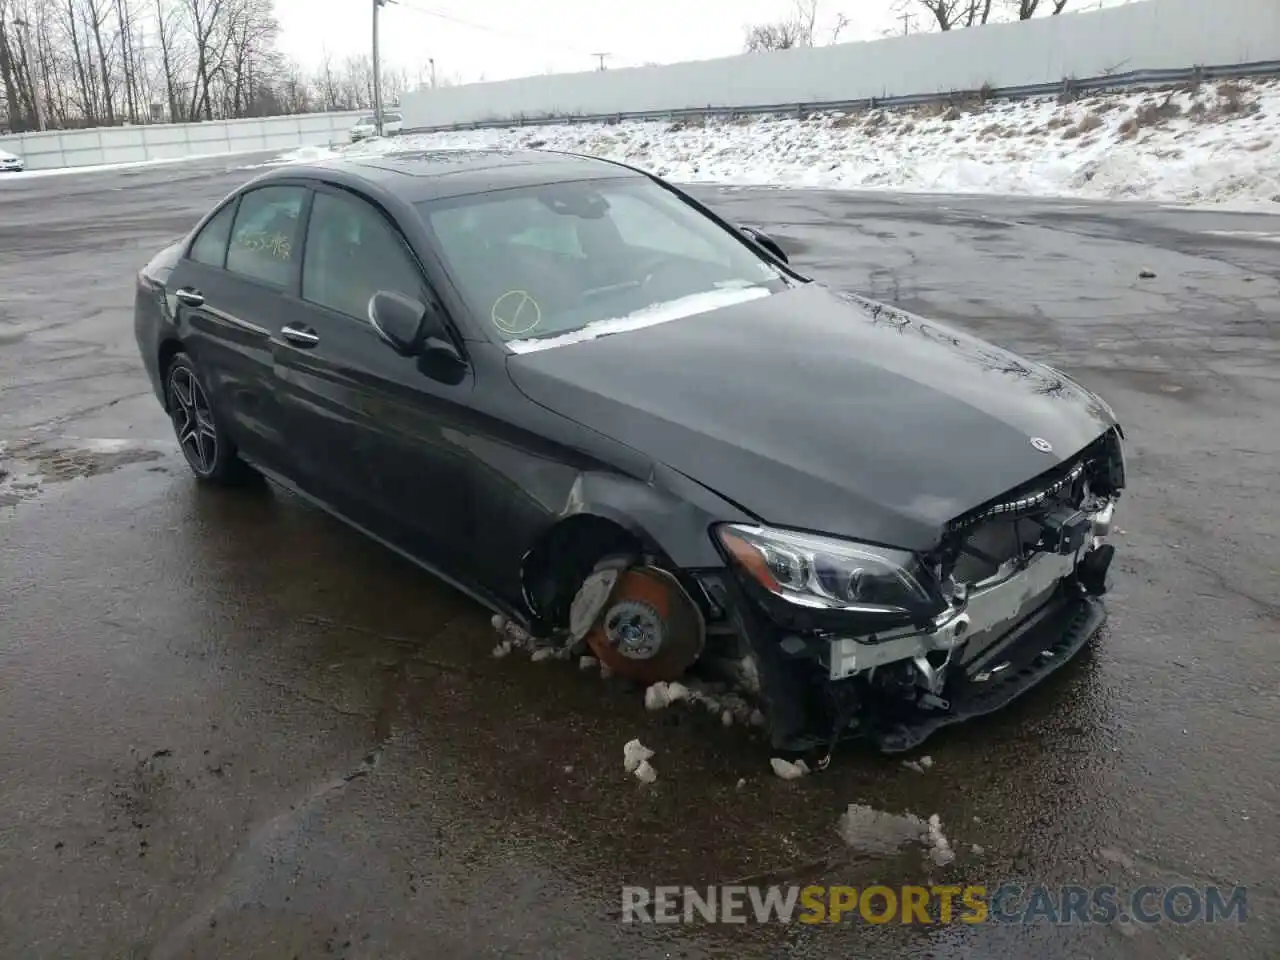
(766, 241)
(399, 320)
(408, 325)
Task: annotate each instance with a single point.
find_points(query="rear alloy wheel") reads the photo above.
(209, 452)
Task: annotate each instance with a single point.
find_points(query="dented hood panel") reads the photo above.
(825, 412)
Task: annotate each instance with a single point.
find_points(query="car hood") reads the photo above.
(823, 411)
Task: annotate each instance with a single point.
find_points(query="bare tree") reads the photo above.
(806, 18)
(782, 35)
(838, 27)
(798, 30)
(1026, 9)
(9, 74)
(327, 79)
(170, 58)
(94, 17)
(979, 13)
(356, 82)
(949, 14)
(75, 63)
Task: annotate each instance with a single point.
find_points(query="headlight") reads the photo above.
(827, 573)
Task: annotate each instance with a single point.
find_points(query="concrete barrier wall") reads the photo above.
(1147, 35)
(167, 141)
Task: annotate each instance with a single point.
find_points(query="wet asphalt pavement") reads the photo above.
(229, 726)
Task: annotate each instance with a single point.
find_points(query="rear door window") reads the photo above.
(265, 238)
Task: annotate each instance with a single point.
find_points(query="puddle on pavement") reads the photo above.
(26, 467)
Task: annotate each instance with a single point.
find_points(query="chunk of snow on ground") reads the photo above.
(788, 770)
(742, 782)
(645, 772)
(655, 696)
(587, 663)
(913, 765)
(542, 653)
(726, 718)
(664, 693)
(1180, 146)
(633, 754)
(502, 649)
(940, 849)
(978, 850)
(926, 761)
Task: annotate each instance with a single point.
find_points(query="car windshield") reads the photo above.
(365, 122)
(571, 261)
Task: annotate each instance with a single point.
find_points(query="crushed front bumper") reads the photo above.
(1030, 653)
(1009, 636)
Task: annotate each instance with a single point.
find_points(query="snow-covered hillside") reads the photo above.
(1217, 143)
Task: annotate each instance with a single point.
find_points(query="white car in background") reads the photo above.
(367, 126)
(10, 164)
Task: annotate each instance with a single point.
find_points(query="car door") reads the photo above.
(372, 431)
(227, 294)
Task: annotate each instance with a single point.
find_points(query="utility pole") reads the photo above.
(377, 69)
(906, 23)
(602, 56)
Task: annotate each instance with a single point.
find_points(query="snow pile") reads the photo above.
(714, 698)
(1219, 142)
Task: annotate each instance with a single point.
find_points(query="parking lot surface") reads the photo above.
(229, 726)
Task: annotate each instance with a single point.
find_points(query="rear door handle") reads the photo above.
(192, 298)
(302, 336)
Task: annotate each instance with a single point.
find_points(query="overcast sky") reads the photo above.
(498, 39)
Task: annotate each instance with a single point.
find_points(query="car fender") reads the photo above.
(669, 513)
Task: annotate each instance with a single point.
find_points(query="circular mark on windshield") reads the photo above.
(516, 313)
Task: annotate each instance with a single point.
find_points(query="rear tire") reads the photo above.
(205, 444)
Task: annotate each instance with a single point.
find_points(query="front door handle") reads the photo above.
(192, 298)
(302, 336)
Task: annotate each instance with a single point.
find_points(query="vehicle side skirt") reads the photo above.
(475, 592)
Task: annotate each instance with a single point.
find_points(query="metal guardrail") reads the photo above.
(1117, 81)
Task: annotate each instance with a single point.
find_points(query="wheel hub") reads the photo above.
(634, 629)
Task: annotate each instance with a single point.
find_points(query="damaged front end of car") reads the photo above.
(862, 640)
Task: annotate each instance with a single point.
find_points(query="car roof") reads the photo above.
(419, 175)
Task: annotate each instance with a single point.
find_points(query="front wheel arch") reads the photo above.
(564, 555)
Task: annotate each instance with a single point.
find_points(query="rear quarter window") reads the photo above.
(210, 246)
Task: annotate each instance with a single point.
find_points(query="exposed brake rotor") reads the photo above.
(645, 626)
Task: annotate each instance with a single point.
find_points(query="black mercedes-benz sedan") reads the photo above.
(576, 393)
